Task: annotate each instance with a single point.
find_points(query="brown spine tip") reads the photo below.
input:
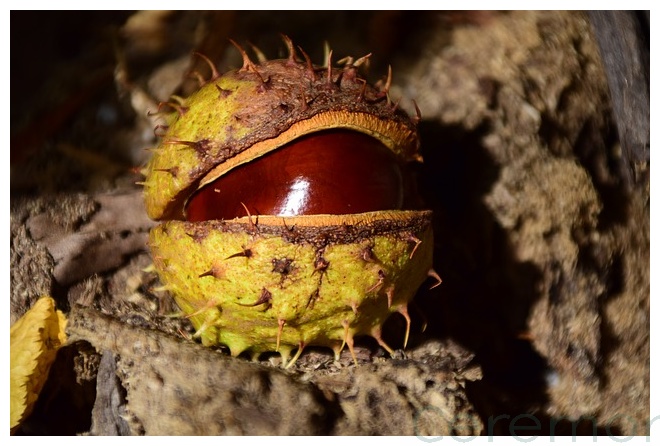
(265, 297)
(247, 253)
(377, 335)
(202, 146)
(179, 108)
(174, 171)
(362, 60)
(222, 92)
(435, 275)
(160, 289)
(336, 348)
(403, 311)
(340, 76)
(178, 99)
(197, 75)
(214, 70)
(418, 118)
(390, 296)
(346, 61)
(388, 83)
(248, 65)
(261, 57)
(312, 300)
(379, 282)
(207, 306)
(301, 347)
(348, 340)
(253, 224)
(162, 127)
(280, 328)
(363, 90)
(413, 240)
(310, 67)
(293, 57)
(184, 335)
(217, 271)
(328, 64)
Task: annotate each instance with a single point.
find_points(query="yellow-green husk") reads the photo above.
(267, 283)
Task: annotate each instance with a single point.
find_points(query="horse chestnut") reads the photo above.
(289, 216)
(320, 173)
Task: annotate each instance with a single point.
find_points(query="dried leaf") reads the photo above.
(34, 340)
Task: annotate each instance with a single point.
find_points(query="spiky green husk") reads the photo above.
(280, 284)
(246, 113)
(273, 283)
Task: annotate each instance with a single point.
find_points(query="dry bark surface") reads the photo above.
(542, 234)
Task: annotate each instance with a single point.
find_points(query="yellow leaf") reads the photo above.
(34, 340)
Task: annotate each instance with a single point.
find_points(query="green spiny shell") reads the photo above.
(268, 283)
(247, 113)
(278, 286)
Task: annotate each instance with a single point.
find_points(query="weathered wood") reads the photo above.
(623, 39)
(110, 405)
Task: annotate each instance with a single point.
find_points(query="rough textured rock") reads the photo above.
(424, 395)
(206, 393)
(542, 245)
(150, 383)
(527, 96)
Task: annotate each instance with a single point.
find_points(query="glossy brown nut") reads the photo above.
(329, 172)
